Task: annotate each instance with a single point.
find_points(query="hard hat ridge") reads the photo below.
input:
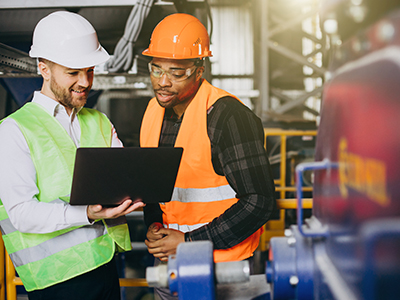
(67, 39)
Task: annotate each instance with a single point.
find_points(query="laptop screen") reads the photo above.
(108, 176)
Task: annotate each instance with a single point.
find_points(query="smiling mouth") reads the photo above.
(80, 92)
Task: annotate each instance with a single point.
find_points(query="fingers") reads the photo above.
(96, 212)
(157, 249)
(154, 246)
(154, 227)
(165, 258)
(153, 232)
(151, 236)
(136, 204)
(165, 246)
(163, 231)
(115, 212)
(96, 208)
(92, 211)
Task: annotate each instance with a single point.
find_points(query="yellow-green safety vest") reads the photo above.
(42, 260)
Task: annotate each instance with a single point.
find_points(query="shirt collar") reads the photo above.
(50, 105)
(171, 115)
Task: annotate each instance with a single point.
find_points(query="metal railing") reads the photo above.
(9, 282)
(277, 227)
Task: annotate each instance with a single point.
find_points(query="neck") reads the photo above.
(68, 110)
(47, 92)
(181, 107)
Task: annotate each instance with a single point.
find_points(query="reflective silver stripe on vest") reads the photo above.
(57, 244)
(203, 195)
(7, 227)
(185, 228)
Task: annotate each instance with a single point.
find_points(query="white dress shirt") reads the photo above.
(18, 176)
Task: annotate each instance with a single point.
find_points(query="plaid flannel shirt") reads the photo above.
(237, 146)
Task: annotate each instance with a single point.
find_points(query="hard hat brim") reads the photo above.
(85, 61)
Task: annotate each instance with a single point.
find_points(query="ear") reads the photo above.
(199, 73)
(44, 70)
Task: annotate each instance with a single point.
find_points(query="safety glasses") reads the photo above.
(175, 75)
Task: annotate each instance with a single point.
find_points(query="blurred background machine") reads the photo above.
(350, 247)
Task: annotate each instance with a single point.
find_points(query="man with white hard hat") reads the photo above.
(59, 251)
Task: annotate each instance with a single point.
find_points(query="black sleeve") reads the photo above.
(238, 153)
(152, 213)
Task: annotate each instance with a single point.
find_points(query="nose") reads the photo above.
(164, 80)
(85, 79)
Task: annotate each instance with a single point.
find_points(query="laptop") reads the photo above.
(108, 176)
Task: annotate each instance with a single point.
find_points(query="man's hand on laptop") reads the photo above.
(96, 212)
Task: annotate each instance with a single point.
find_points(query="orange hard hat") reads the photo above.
(179, 36)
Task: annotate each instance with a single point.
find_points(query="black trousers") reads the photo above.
(99, 284)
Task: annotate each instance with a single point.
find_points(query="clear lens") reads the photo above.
(175, 75)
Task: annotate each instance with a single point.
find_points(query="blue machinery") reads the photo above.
(192, 274)
(350, 247)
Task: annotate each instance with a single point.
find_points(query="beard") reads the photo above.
(65, 97)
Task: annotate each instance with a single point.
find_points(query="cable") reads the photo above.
(123, 53)
(208, 9)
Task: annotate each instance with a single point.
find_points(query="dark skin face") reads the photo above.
(172, 94)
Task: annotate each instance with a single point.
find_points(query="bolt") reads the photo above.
(294, 280)
(288, 232)
(172, 275)
(291, 241)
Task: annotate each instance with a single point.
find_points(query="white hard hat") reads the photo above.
(67, 39)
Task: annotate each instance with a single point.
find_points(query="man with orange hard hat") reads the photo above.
(224, 190)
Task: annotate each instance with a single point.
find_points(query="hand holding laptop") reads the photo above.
(97, 211)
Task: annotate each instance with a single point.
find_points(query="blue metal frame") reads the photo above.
(291, 272)
(300, 168)
(191, 271)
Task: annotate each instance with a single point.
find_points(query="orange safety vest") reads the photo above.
(200, 195)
